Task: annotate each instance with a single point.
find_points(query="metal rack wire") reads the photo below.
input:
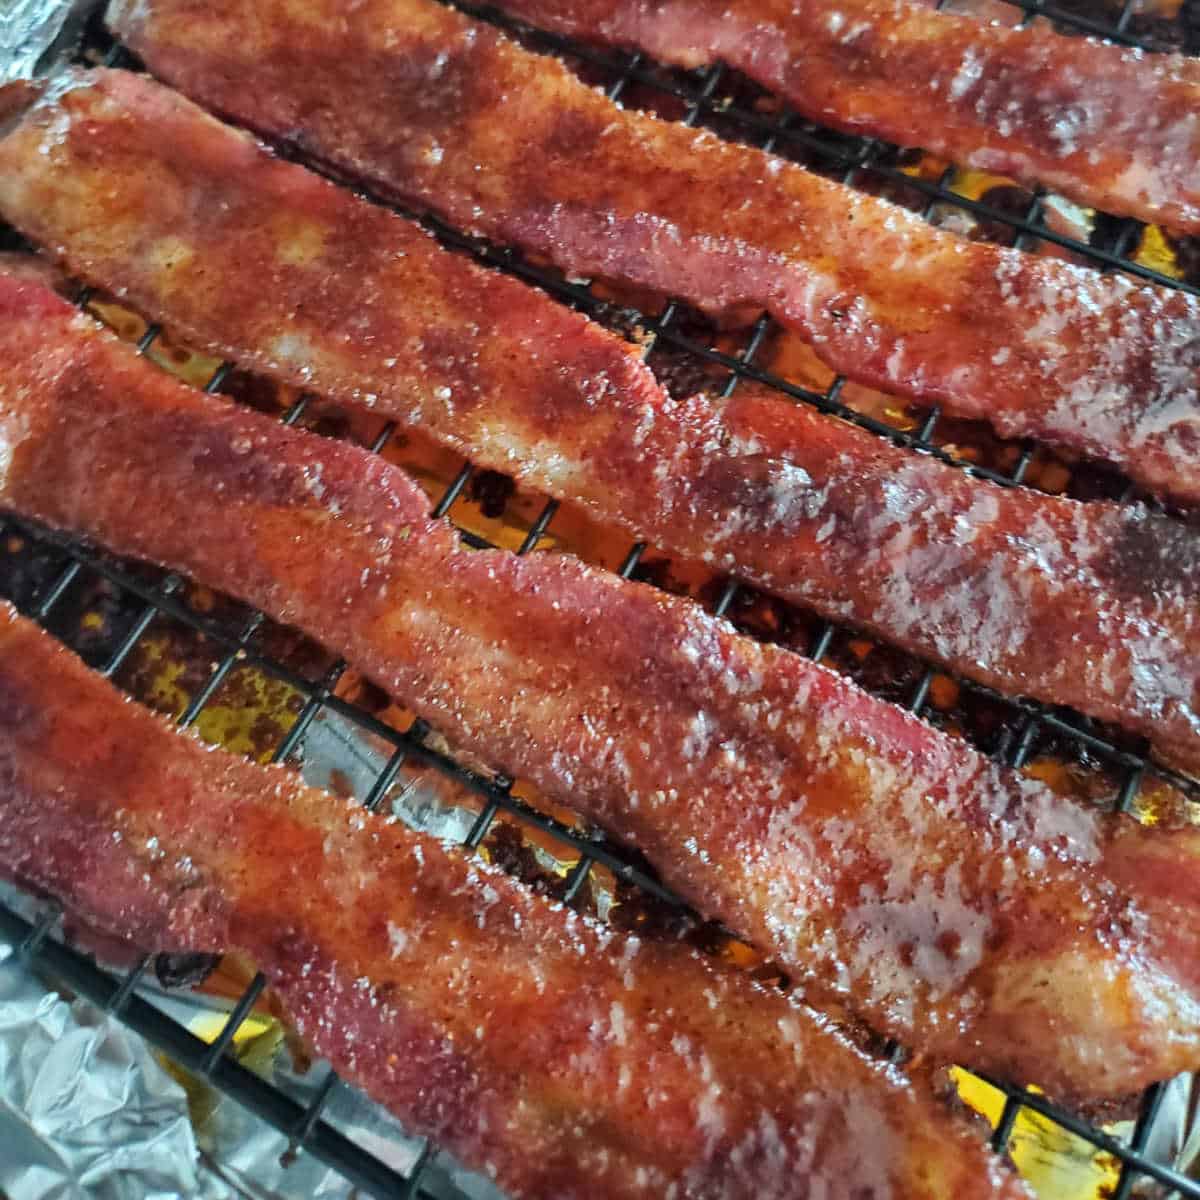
(708, 96)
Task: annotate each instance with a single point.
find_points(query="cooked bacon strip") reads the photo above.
(957, 906)
(556, 1055)
(511, 144)
(1093, 606)
(1108, 126)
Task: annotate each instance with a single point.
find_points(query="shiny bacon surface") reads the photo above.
(1108, 126)
(511, 144)
(563, 1059)
(963, 909)
(1093, 606)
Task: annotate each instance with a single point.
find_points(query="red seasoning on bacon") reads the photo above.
(1111, 127)
(1095, 606)
(540, 1047)
(959, 907)
(511, 144)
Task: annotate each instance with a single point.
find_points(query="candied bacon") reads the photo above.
(1091, 606)
(1108, 126)
(562, 1058)
(957, 906)
(511, 144)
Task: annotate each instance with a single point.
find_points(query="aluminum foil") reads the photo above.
(87, 1110)
(37, 33)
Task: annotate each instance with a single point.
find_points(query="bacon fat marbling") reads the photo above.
(1092, 606)
(511, 144)
(966, 910)
(561, 1058)
(1108, 126)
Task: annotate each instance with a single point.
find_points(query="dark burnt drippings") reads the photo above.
(184, 970)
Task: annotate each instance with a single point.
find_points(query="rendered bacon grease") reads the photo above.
(512, 145)
(1111, 127)
(1095, 606)
(539, 1046)
(964, 909)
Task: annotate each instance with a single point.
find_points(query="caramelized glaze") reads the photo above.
(511, 144)
(561, 1058)
(961, 908)
(1110, 127)
(1094, 606)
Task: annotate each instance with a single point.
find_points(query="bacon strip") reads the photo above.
(512, 145)
(556, 1055)
(1093, 606)
(957, 906)
(1106, 125)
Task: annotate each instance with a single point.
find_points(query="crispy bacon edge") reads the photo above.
(293, 278)
(1105, 125)
(510, 144)
(558, 1056)
(957, 906)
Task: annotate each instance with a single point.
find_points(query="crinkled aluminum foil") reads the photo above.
(34, 33)
(87, 1110)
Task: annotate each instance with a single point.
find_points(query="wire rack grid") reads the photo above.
(711, 97)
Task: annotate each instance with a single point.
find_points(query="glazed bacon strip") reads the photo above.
(1105, 125)
(556, 1055)
(1093, 606)
(512, 145)
(957, 906)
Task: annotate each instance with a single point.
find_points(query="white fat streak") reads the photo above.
(397, 938)
(554, 470)
(921, 910)
(295, 351)
(15, 425)
(700, 730)
(9, 439)
(969, 72)
(617, 1022)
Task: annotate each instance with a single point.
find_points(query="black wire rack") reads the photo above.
(719, 98)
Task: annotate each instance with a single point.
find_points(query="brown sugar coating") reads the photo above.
(510, 144)
(959, 907)
(554, 1054)
(1093, 606)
